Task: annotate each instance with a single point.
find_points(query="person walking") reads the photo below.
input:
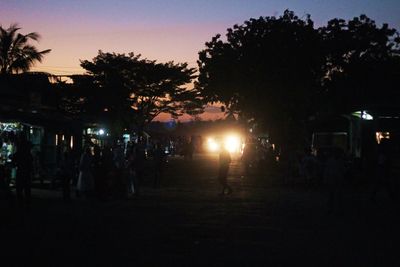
(24, 163)
(224, 162)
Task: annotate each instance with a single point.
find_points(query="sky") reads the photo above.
(162, 30)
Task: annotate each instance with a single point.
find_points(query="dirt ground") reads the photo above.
(186, 223)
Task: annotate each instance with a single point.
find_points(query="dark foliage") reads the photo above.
(128, 91)
(16, 53)
(278, 71)
(267, 70)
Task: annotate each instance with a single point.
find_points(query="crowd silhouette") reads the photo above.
(117, 170)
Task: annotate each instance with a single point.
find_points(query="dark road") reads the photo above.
(186, 223)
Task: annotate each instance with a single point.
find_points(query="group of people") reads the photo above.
(99, 172)
(334, 171)
(257, 155)
(117, 171)
(22, 161)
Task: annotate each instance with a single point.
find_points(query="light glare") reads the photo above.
(232, 143)
(212, 145)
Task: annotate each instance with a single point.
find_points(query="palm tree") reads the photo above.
(16, 54)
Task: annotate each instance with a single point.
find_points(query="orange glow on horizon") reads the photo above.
(206, 116)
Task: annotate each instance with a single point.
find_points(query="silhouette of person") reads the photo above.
(248, 157)
(190, 149)
(224, 162)
(159, 162)
(119, 164)
(308, 166)
(3, 182)
(334, 177)
(85, 181)
(130, 169)
(383, 176)
(24, 163)
(67, 170)
(139, 164)
(5, 190)
(105, 172)
(97, 171)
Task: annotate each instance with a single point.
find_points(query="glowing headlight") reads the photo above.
(232, 143)
(212, 145)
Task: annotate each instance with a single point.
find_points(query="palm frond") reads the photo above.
(16, 54)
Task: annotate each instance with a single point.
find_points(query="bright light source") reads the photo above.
(363, 115)
(366, 116)
(101, 132)
(127, 137)
(382, 135)
(212, 145)
(232, 143)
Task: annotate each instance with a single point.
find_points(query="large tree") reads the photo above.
(132, 91)
(362, 65)
(16, 52)
(267, 69)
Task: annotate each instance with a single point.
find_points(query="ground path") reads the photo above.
(186, 223)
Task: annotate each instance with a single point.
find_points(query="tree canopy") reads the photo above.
(362, 64)
(132, 91)
(267, 69)
(278, 71)
(16, 54)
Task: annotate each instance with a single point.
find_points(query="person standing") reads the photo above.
(159, 162)
(106, 174)
(139, 165)
(67, 172)
(248, 157)
(383, 175)
(334, 174)
(97, 171)
(119, 164)
(130, 170)
(85, 184)
(224, 162)
(24, 163)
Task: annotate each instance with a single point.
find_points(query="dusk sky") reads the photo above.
(163, 30)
